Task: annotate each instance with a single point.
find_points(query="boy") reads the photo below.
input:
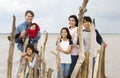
(86, 36)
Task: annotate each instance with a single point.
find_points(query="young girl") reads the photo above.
(73, 24)
(65, 48)
(33, 32)
(30, 56)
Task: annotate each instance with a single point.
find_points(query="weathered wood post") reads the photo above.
(49, 73)
(91, 51)
(83, 73)
(11, 50)
(96, 64)
(58, 63)
(43, 47)
(81, 58)
(101, 68)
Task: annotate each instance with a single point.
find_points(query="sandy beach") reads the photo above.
(111, 64)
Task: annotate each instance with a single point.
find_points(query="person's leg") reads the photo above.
(66, 70)
(74, 60)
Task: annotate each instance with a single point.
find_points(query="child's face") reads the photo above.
(72, 22)
(33, 27)
(86, 24)
(64, 33)
(29, 51)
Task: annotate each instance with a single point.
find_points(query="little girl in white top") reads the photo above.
(64, 47)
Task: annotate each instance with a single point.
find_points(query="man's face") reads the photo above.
(28, 18)
(86, 24)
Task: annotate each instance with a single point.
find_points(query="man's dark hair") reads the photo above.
(29, 11)
(88, 19)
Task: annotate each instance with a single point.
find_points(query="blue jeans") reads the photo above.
(74, 60)
(65, 69)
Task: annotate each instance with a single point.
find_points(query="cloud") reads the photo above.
(53, 15)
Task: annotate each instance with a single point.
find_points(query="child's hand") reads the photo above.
(23, 54)
(28, 58)
(58, 48)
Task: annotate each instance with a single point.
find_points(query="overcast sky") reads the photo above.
(52, 15)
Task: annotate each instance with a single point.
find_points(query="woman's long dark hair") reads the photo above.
(68, 33)
(76, 19)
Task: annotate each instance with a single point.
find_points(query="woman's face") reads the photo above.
(64, 33)
(86, 24)
(29, 51)
(72, 22)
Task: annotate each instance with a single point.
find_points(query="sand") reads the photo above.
(111, 65)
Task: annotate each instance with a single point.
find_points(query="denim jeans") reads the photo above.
(74, 60)
(65, 69)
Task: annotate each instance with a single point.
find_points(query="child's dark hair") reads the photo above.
(34, 24)
(68, 33)
(31, 47)
(76, 19)
(87, 18)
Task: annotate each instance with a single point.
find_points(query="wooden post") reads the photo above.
(96, 64)
(81, 58)
(11, 50)
(83, 73)
(36, 68)
(49, 73)
(30, 73)
(91, 51)
(43, 47)
(101, 68)
(58, 64)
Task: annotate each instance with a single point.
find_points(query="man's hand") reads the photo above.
(22, 35)
(104, 44)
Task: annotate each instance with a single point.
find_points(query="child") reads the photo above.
(64, 47)
(33, 32)
(86, 36)
(30, 56)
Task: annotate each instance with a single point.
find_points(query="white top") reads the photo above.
(65, 58)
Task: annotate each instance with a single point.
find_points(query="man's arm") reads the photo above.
(100, 39)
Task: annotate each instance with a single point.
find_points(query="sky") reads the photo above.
(52, 15)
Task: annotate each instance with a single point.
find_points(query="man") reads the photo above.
(20, 36)
(22, 28)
